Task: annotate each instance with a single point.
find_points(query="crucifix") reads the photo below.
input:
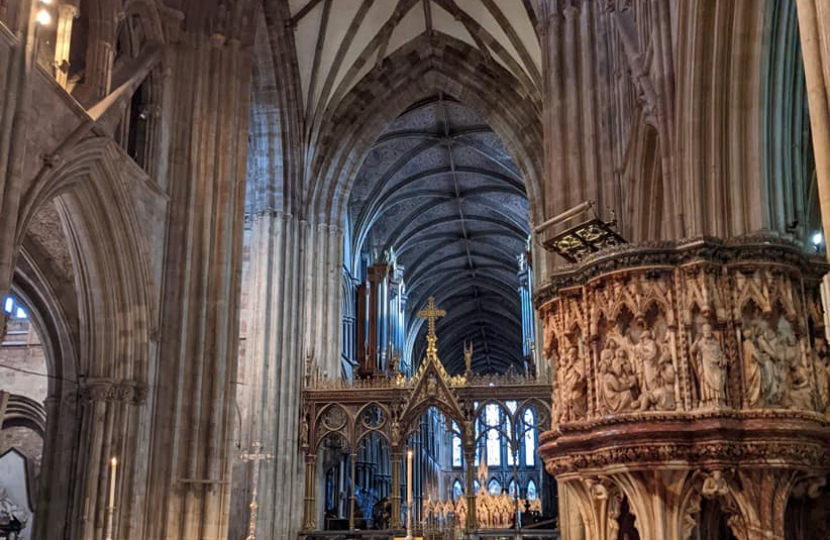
(256, 455)
(431, 313)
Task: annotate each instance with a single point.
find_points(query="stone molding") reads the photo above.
(110, 391)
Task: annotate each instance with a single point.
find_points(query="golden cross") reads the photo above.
(430, 313)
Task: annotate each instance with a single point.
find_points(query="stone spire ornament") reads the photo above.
(468, 359)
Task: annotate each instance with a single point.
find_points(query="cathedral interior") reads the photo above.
(414, 269)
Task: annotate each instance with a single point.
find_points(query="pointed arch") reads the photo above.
(417, 70)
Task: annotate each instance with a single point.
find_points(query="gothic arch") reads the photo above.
(421, 68)
(97, 321)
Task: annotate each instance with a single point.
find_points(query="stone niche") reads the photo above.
(690, 387)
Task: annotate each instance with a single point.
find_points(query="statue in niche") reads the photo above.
(575, 385)
(657, 385)
(797, 376)
(461, 511)
(769, 348)
(710, 366)
(821, 367)
(432, 386)
(714, 485)
(304, 429)
(618, 388)
(396, 432)
(548, 347)
(753, 369)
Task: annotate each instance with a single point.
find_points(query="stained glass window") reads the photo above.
(531, 490)
(494, 487)
(457, 490)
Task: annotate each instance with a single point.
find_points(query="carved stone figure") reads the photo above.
(304, 430)
(396, 432)
(797, 377)
(576, 385)
(548, 347)
(714, 485)
(710, 365)
(771, 362)
(432, 386)
(821, 366)
(617, 382)
(753, 370)
(657, 385)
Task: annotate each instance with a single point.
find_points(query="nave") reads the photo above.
(568, 255)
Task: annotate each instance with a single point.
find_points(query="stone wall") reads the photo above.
(23, 372)
(23, 362)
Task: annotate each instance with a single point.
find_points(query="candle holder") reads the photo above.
(409, 455)
(108, 531)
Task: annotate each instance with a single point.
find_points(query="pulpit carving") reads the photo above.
(709, 363)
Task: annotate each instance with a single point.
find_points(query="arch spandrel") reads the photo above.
(431, 388)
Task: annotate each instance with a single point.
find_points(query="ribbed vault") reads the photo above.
(440, 192)
(339, 41)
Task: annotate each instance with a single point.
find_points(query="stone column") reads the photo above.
(352, 464)
(100, 54)
(469, 488)
(15, 114)
(189, 490)
(814, 29)
(309, 508)
(67, 13)
(395, 521)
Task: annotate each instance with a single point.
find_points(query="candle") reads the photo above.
(113, 467)
(408, 478)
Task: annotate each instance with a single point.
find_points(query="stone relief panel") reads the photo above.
(696, 338)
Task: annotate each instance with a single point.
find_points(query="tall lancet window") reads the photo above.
(456, 447)
(492, 414)
(530, 438)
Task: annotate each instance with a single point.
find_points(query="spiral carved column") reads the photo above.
(690, 388)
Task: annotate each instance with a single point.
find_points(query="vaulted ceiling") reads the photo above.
(339, 41)
(440, 191)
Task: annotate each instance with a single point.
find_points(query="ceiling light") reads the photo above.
(43, 18)
(817, 238)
